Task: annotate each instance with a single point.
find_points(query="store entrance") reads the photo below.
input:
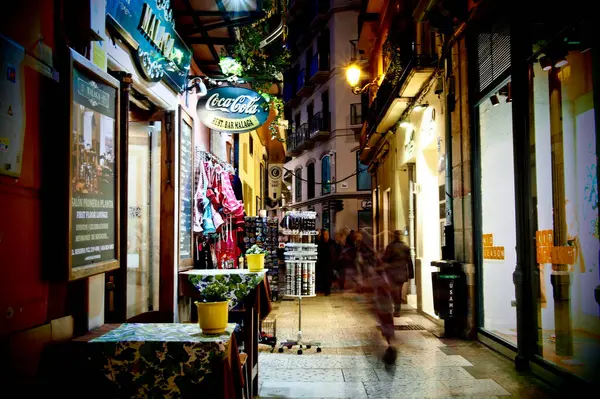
(134, 291)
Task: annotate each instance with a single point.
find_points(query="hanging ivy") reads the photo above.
(262, 67)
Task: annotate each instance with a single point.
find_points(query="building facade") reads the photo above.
(325, 117)
(491, 161)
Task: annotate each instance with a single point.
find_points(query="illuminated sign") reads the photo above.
(149, 29)
(233, 109)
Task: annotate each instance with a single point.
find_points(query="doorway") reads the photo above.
(143, 227)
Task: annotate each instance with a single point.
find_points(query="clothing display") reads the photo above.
(217, 213)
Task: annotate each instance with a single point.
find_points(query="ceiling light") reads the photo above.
(494, 100)
(545, 63)
(560, 62)
(406, 124)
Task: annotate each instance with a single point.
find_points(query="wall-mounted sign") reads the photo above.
(275, 176)
(149, 29)
(489, 250)
(366, 204)
(233, 109)
(94, 170)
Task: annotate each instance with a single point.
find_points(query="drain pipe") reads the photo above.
(448, 248)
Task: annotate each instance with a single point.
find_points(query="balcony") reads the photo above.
(304, 88)
(319, 68)
(319, 127)
(297, 140)
(394, 96)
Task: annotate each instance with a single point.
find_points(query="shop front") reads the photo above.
(420, 140)
(157, 132)
(537, 198)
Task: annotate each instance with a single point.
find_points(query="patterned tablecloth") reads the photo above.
(239, 282)
(160, 359)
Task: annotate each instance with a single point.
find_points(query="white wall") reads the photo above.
(498, 214)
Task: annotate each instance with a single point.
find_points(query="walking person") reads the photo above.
(336, 258)
(324, 265)
(399, 268)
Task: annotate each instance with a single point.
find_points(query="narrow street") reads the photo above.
(349, 365)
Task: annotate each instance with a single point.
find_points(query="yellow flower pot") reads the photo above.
(213, 316)
(256, 262)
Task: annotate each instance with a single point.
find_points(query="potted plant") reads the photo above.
(213, 308)
(255, 257)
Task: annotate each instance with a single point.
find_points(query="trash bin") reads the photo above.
(450, 295)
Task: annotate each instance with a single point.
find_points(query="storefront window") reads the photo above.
(498, 222)
(567, 236)
(310, 180)
(298, 185)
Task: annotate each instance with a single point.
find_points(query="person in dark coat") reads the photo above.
(399, 268)
(324, 275)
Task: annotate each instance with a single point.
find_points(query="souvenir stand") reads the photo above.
(264, 232)
(300, 262)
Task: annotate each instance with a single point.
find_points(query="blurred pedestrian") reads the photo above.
(336, 257)
(399, 268)
(324, 265)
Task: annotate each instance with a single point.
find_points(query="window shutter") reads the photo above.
(493, 54)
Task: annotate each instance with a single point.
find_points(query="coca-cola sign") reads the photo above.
(233, 109)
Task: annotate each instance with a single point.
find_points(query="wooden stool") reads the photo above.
(247, 381)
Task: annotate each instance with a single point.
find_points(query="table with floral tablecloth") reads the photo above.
(167, 360)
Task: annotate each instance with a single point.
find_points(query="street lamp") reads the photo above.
(353, 73)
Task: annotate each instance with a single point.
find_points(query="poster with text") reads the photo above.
(12, 107)
(93, 177)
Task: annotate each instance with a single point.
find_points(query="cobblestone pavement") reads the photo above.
(350, 365)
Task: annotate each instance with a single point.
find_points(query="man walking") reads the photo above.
(399, 268)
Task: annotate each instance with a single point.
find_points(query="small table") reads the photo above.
(250, 289)
(166, 360)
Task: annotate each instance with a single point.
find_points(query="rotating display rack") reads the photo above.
(300, 263)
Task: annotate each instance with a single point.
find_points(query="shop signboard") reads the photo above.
(148, 28)
(275, 176)
(233, 110)
(94, 170)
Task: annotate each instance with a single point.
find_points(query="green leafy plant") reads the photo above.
(256, 250)
(215, 291)
(262, 67)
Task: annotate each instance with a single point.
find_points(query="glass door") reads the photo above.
(143, 228)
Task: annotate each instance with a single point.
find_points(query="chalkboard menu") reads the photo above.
(94, 170)
(186, 176)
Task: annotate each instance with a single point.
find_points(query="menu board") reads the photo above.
(93, 174)
(186, 175)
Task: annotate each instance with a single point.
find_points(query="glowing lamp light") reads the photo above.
(353, 75)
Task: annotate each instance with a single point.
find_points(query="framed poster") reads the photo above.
(94, 170)
(186, 189)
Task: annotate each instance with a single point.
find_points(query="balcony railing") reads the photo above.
(319, 127)
(319, 67)
(303, 87)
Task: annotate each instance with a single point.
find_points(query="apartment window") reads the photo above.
(325, 175)
(363, 177)
(310, 178)
(298, 183)
(310, 109)
(356, 114)
(251, 145)
(297, 121)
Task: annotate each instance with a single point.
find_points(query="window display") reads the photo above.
(567, 236)
(498, 216)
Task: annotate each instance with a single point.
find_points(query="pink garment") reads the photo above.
(211, 180)
(230, 204)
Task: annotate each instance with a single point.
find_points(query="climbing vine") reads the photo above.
(260, 66)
